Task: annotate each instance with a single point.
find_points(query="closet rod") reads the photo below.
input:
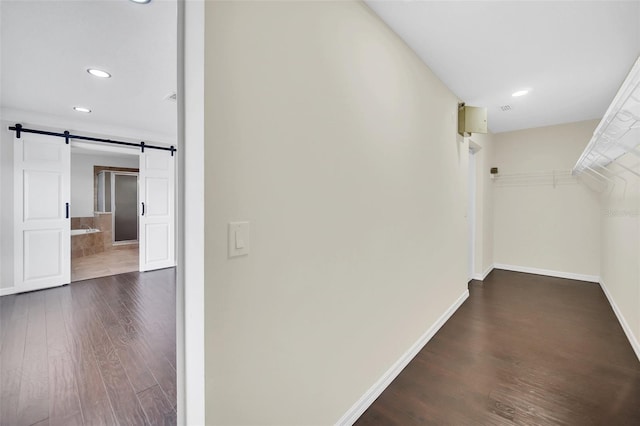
(19, 129)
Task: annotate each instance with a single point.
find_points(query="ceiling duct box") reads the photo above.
(471, 120)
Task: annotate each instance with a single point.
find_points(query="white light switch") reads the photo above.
(238, 239)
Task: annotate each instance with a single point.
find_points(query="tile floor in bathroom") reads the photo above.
(112, 262)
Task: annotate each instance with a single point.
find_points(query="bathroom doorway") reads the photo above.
(104, 239)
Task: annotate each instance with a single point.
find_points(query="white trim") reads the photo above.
(192, 402)
(547, 272)
(353, 413)
(471, 212)
(78, 147)
(179, 212)
(481, 277)
(623, 322)
(8, 290)
(23, 289)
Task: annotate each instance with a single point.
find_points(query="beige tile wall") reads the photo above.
(88, 244)
(103, 223)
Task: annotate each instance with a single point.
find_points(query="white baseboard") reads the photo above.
(7, 291)
(350, 417)
(481, 277)
(549, 273)
(24, 288)
(623, 322)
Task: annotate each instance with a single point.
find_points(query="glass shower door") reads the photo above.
(125, 208)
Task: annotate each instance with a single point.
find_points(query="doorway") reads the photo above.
(138, 102)
(104, 215)
(43, 186)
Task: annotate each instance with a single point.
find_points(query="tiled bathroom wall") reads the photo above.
(104, 223)
(86, 244)
(97, 242)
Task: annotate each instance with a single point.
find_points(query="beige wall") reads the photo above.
(620, 216)
(537, 225)
(327, 133)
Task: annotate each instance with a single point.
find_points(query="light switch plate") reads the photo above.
(238, 239)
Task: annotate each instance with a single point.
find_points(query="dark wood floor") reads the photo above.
(523, 349)
(98, 352)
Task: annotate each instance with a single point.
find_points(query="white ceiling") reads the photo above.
(572, 54)
(47, 47)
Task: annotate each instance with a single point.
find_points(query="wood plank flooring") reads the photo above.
(96, 352)
(522, 350)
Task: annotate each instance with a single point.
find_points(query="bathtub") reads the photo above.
(84, 231)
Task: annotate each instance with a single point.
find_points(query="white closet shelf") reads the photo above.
(619, 130)
(535, 178)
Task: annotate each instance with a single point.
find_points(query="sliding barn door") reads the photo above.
(41, 217)
(157, 227)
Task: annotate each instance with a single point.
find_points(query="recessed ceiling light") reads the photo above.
(520, 93)
(82, 109)
(141, 1)
(98, 73)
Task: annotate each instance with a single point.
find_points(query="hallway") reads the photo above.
(101, 351)
(523, 349)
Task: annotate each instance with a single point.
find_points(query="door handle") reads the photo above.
(67, 210)
(143, 208)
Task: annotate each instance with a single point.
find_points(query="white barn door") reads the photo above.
(156, 209)
(42, 237)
